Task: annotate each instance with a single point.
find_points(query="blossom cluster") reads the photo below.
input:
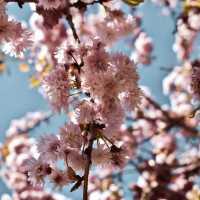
(14, 153)
(14, 37)
(96, 88)
(143, 49)
(187, 31)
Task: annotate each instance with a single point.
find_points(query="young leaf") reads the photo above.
(133, 2)
(188, 4)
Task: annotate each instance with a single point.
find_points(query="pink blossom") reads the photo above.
(112, 114)
(52, 4)
(37, 170)
(84, 113)
(49, 147)
(70, 136)
(67, 53)
(125, 71)
(118, 75)
(95, 84)
(119, 157)
(98, 59)
(164, 141)
(59, 178)
(76, 160)
(143, 49)
(101, 156)
(16, 38)
(17, 47)
(127, 78)
(185, 36)
(193, 20)
(17, 180)
(19, 163)
(56, 88)
(143, 44)
(110, 30)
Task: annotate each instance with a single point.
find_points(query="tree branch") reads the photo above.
(172, 121)
(71, 24)
(88, 152)
(20, 1)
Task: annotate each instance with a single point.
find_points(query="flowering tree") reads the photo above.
(112, 121)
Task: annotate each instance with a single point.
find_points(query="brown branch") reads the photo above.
(157, 106)
(79, 4)
(172, 121)
(20, 1)
(88, 152)
(72, 26)
(83, 5)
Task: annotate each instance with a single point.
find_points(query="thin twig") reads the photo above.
(172, 121)
(72, 26)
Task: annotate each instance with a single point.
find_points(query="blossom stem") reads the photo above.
(108, 139)
(172, 121)
(88, 152)
(71, 54)
(105, 142)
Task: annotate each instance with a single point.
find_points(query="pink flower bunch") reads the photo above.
(67, 53)
(108, 84)
(26, 123)
(19, 40)
(178, 86)
(109, 79)
(17, 149)
(105, 76)
(16, 39)
(143, 49)
(56, 89)
(71, 146)
(110, 30)
(181, 85)
(187, 31)
(193, 19)
(50, 4)
(47, 39)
